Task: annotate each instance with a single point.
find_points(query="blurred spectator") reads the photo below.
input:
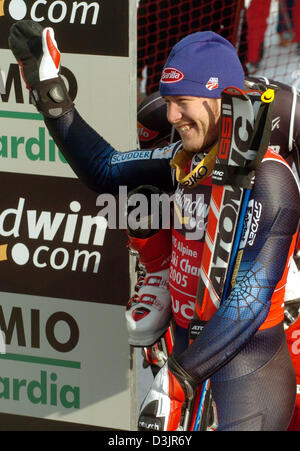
(285, 22)
(288, 28)
(256, 16)
(296, 21)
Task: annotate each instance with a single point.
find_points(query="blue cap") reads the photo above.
(202, 64)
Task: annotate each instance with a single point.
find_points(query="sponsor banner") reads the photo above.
(85, 27)
(63, 361)
(57, 245)
(64, 272)
(25, 143)
(97, 68)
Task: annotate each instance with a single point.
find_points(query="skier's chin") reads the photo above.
(191, 146)
(192, 141)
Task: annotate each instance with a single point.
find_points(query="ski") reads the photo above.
(236, 128)
(259, 143)
(245, 129)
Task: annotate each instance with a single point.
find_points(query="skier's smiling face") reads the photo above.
(196, 119)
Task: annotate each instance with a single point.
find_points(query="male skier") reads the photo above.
(242, 348)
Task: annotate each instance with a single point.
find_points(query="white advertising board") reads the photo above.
(83, 378)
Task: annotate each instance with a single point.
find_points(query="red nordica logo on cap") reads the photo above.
(171, 75)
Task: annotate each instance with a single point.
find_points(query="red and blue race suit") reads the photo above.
(243, 347)
(285, 140)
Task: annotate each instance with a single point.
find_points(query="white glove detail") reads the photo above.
(50, 62)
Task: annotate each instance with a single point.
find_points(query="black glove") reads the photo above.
(39, 59)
